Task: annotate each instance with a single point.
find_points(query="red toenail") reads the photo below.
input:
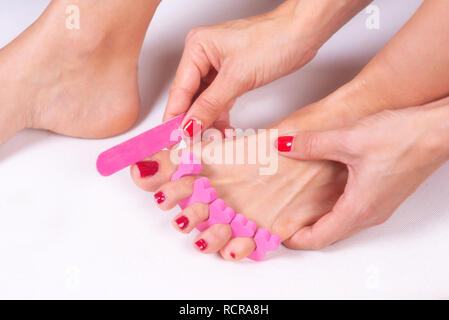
(201, 244)
(159, 197)
(182, 222)
(147, 168)
(192, 127)
(232, 254)
(284, 144)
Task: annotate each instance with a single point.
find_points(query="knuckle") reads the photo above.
(195, 34)
(352, 145)
(235, 71)
(349, 140)
(209, 104)
(309, 143)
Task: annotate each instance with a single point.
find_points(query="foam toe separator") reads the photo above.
(188, 166)
(219, 213)
(265, 241)
(202, 192)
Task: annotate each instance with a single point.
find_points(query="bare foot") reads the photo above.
(81, 83)
(297, 195)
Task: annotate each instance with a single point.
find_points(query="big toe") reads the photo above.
(151, 173)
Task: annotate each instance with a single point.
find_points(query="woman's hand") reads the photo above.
(222, 62)
(388, 156)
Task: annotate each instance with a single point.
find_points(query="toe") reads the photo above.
(238, 248)
(213, 239)
(191, 216)
(170, 193)
(149, 174)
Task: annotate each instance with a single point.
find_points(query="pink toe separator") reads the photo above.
(265, 241)
(202, 192)
(188, 166)
(242, 227)
(219, 213)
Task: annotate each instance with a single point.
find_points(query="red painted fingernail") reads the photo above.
(201, 244)
(147, 168)
(232, 254)
(284, 144)
(159, 197)
(192, 127)
(182, 222)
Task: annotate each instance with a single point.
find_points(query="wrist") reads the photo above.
(434, 122)
(316, 21)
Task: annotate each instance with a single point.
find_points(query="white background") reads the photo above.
(66, 232)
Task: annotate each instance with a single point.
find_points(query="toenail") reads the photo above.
(284, 144)
(201, 244)
(232, 254)
(192, 127)
(159, 197)
(182, 222)
(147, 168)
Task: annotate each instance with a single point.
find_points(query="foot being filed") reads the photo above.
(295, 196)
(77, 82)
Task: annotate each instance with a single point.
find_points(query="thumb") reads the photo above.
(210, 104)
(334, 226)
(313, 145)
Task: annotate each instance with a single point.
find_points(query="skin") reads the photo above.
(62, 88)
(104, 55)
(369, 93)
(384, 168)
(223, 61)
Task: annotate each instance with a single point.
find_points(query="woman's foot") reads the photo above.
(77, 82)
(295, 196)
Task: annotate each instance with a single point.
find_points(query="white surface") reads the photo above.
(66, 232)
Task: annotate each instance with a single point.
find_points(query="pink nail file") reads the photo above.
(139, 147)
(202, 192)
(219, 213)
(265, 241)
(242, 227)
(188, 166)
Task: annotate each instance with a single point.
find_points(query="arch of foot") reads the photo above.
(220, 213)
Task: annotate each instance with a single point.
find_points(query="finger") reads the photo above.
(222, 123)
(192, 68)
(211, 103)
(332, 227)
(314, 145)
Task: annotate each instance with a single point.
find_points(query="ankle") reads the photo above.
(114, 26)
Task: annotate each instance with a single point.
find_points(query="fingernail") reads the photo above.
(232, 254)
(192, 127)
(201, 244)
(182, 222)
(284, 144)
(147, 168)
(159, 197)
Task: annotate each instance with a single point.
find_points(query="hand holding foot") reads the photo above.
(222, 62)
(388, 156)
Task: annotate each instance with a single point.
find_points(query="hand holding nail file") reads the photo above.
(139, 147)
